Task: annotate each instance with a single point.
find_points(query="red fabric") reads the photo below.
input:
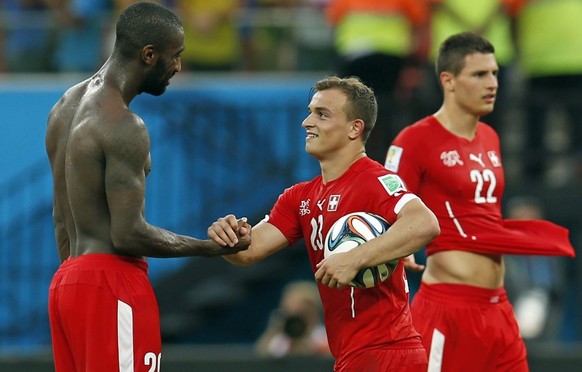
(478, 325)
(357, 320)
(462, 182)
(84, 302)
(386, 360)
(528, 237)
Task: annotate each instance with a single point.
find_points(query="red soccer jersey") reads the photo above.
(462, 182)
(356, 318)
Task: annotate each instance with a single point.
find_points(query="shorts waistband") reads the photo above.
(104, 262)
(446, 292)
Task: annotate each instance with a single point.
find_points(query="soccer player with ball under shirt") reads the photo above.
(368, 329)
(453, 162)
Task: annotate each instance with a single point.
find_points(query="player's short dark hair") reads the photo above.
(453, 50)
(145, 23)
(361, 101)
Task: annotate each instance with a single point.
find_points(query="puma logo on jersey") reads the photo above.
(478, 159)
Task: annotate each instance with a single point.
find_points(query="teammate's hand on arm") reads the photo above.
(411, 265)
(230, 231)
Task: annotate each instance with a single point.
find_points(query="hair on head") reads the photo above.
(361, 101)
(453, 51)
(145, 23)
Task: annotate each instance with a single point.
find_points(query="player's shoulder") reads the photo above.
(374, 175)
(70, 98)
(417, 132)
(303, 187)
(423, 125)
(66, 109)
(487, 130)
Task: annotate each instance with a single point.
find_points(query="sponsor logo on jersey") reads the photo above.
(495, 160)
(320, 204)
(304, 207)
(393, 184)
(451, 158)
(393, 158)
(333, 203)
(477, 158)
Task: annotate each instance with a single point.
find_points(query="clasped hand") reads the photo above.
(232, 232)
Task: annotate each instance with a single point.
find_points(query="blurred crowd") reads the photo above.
(222, 35)
(390, 44)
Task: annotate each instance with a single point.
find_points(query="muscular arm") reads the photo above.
(61, 235)
(127, 162)
(415, 226)
(56, 157)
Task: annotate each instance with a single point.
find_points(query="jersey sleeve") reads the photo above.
(389, 195)
(285, 216)
(404, 157)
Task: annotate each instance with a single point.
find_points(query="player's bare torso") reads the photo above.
(83, 127)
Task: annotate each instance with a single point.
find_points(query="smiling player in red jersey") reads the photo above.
(369, 329)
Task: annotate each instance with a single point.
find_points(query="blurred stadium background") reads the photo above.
(222, 142)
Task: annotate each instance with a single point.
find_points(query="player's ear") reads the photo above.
(357, 128)
(446, 79)
(148, 54)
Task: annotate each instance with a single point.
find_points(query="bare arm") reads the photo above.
(415, 226)
(61, 235)
(56, 159)
(127, 162)
(265, 238)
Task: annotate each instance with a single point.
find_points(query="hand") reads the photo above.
(232, 232)
(336, 271)
(411, 265)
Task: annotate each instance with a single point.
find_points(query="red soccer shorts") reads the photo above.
(466, 328)
(104, 316)
(408, 356)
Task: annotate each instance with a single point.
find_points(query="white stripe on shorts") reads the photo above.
(125, 336)
(437, 347)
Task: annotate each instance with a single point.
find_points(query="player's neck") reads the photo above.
(121, 75)
(458, 122)
(333, 168)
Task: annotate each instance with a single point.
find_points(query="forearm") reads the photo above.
(153, 241)
(241, 258)
(410, 233)
(386, 248)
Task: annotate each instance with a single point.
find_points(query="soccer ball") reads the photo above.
(353, 230)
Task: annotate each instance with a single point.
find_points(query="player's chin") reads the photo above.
(310, 148)
(157, 92)
(485, 110)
